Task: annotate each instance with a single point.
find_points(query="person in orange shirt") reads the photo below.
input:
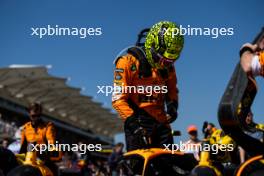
(36, 131)
(39, 132)
(145, 87)
(252, 58)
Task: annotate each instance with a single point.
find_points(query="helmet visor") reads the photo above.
(162, 60)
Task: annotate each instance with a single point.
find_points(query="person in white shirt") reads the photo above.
(192, 145)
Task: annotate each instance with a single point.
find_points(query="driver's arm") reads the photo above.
(172, 96)
(122, 78)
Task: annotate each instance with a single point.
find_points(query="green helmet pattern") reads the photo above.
(164, 38)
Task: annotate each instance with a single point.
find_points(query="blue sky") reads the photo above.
(203, 69)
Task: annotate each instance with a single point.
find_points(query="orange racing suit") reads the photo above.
(127, 75)
(44, 133)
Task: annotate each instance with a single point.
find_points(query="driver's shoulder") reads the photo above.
(126, 60)
(26, 125)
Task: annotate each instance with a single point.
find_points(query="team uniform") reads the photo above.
(127, 75)
(148, 108)
(44, 133)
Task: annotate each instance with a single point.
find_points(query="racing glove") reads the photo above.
(133, 125)
(172, 111)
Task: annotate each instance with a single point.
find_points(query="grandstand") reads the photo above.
(76, 117)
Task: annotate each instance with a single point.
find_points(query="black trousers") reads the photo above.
(156, 133)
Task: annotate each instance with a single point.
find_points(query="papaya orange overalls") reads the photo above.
(127, 75)
(129, 99)
(44, 133)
